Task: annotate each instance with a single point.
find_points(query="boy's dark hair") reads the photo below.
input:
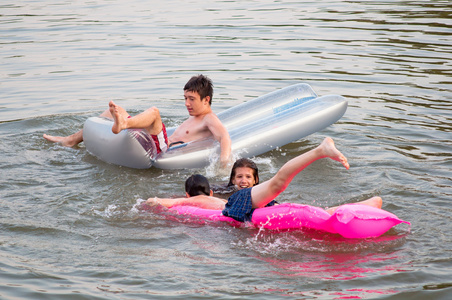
(244, 163)
(202, 85)
(197, 185)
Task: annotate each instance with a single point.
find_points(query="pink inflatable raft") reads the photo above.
(350, 220)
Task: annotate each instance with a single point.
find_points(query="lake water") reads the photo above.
(69, 227)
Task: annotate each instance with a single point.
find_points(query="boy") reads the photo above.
(197, 185)
(202, 123)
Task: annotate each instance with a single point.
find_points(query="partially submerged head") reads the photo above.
(244, 174)
(202, 85)
(197, 185)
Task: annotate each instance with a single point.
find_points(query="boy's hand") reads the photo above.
(226, 163)
(152, 202)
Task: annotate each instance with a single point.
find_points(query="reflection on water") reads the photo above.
(327, 258)
(336, 266)
(68, 227)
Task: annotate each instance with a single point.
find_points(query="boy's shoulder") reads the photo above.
(211, 114)
(212, 118)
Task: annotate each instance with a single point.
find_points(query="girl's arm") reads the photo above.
(265, 192)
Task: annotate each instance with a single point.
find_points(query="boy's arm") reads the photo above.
(200, 201)
(221, 134)
(162, 201)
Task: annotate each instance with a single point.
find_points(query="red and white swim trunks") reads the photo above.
(161, 140)
(144, 138)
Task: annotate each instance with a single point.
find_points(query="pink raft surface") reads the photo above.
(350, 220)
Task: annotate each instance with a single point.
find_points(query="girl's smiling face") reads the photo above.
(243, 178)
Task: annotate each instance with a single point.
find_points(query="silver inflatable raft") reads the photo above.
(255, 127)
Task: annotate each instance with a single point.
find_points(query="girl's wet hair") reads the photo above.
(197, 185)
(244, 163)
(202, 85)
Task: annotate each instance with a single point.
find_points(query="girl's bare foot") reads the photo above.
(119, 117)
(329, 150)
(374, 202)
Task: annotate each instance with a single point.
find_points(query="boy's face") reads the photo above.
(194, 104)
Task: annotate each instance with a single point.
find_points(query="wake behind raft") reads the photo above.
(255, 127)
(349, 220)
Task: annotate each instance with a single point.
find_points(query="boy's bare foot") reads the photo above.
(62, 140)
(66, 141)
(119, 117)
(329, 150)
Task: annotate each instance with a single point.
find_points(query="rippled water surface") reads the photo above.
(69, 226)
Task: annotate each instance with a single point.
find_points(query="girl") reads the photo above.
(251, 195)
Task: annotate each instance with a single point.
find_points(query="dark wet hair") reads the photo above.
(244, 163)
(202, 85)
(197, 185)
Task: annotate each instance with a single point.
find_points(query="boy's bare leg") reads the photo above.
(265, 192)
(374, 202)
(106, 114)
(73, 139)
(67, 141)
(149, 119)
